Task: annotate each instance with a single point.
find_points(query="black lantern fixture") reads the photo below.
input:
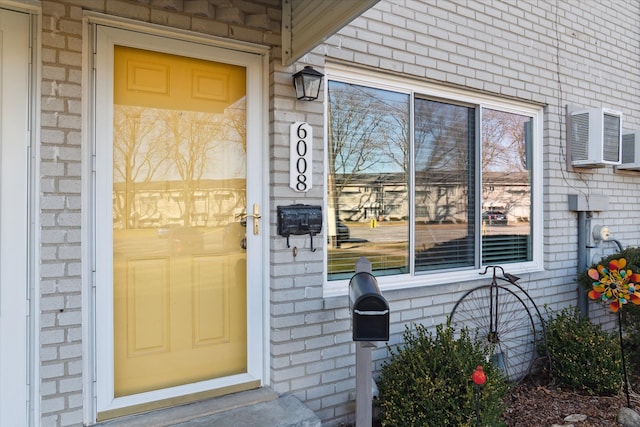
(307, 83)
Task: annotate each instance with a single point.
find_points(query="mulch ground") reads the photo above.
(538, 403)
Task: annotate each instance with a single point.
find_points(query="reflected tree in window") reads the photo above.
(368, 164)
(137, 158)
(170, 159)
(506, 186)
(191, 138)
(471, 182)
(445, 181)
(443, 135)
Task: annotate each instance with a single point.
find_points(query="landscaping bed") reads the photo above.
(537, 402)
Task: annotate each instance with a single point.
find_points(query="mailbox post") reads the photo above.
(370, 322)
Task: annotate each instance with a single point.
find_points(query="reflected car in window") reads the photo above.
(494, 218)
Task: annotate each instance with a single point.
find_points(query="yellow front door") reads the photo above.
(179, 183)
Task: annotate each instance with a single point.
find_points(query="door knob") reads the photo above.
(256, 218)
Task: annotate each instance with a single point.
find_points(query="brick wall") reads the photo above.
(551, 53)
(554, 54)
(62, 284)
(60, 216)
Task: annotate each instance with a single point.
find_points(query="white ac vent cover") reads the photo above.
(596, 137)
(630, 150)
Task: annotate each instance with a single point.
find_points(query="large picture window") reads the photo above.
(420, 183)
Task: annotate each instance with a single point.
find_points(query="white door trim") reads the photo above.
(105, 38)
(20, 406)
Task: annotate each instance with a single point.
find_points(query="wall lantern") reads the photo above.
(307, 83)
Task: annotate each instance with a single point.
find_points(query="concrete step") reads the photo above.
(245, 409)
(286, 411)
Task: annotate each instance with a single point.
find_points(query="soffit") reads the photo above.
(307, 23)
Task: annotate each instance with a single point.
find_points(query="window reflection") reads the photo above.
(368, 207)
(506, 187)
(444, 183)
(467, 202)
(174, 168)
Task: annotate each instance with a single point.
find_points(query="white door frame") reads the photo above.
(187, 44)
(19, 405)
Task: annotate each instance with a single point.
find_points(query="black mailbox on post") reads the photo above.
(369, 309)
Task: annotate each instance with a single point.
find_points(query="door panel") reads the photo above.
(178, 182)
(14, 139)
(179, 314)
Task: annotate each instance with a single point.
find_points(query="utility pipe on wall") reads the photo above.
(584, 225)
(584, 206)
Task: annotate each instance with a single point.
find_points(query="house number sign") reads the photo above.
(300, 176)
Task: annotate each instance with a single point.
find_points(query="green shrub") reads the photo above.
(584, 357)
(428, 382)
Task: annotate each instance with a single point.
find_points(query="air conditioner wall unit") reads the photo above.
(630, 150)
(596, 137)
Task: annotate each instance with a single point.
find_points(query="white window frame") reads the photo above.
(401, 84)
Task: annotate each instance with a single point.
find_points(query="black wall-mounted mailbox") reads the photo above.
(299, 220)
(369, 309)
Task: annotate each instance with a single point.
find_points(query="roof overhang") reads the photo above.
(307, 23)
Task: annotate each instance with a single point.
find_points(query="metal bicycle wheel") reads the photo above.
(499, 318)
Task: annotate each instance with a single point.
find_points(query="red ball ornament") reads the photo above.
(478, 376)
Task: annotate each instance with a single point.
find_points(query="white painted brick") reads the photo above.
(70, 384)
(305, 357)
(289, 373)
(71, 418)
(52, 303)
(67, 318)
(52, 405)
(336, 399)
(71, 285)
(48, 354)
(70, 27)
(320, 391)
(49, 421)
(70, 90)
(53, 236)
(48, 388)
(69, 121)
(69, 219)
(287, 348)
(52, 270)
(319, 342)
(53, 137)
(338, 351)
(305, 331)
(51, 370)
(305, 382)
(347, 384)
(308, 305)
(74, 367)
(69, 252)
